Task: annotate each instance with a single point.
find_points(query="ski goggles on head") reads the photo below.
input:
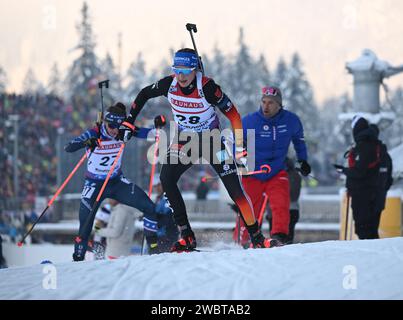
(185, 71)
(269, 91)
(113, 120)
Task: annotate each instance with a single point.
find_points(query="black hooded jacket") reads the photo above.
(364, 160)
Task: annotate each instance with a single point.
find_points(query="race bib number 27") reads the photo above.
(88, 191)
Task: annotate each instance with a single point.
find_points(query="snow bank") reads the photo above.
(371, 269)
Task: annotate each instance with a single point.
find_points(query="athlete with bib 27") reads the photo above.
(104, 147)
(194, 99)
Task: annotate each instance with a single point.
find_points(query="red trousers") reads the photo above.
(278, 192)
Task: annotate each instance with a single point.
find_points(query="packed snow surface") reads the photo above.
(370, 269)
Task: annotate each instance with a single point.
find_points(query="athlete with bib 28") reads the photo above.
(102, 156)
(194, 99)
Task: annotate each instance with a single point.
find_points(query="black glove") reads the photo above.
(305, 168)
(126, 131)
(339, 168)
(159, 121)
(91, 143)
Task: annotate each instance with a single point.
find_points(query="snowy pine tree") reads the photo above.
(218, 67)
(84, 74)
(244, 89)
(280, 75)
(136, 77)
(335, 137)
(3, 80)
(298, 98)
(31, 85)
(55, 85)
(393, 134)
(114, 92)
(160, 105)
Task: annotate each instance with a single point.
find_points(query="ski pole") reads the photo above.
(150, 188)
(100, 86)
(89, 218)
(263, 169)
(347, 216)
(53, 198)
(157, 141)
(262, 210)
(100, 116)
(192, 27)
(239, 229)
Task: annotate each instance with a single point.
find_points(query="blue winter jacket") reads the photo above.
(272, 139)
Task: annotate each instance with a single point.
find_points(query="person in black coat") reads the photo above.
(363, 178)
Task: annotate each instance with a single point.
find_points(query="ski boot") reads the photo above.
(187, 242)
(279, 239)
(79, 249)
(257, 238)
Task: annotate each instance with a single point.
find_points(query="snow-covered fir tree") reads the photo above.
(31, 85)
(114, 92)
(218, 67)
(83, 75)
(298, 98)
(393, 133)
(136, 77)
(3, 80)
(55, 84)
(244, 89)
(335, 137)
(280, 74)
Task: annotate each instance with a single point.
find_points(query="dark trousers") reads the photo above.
(380, 200)
(294, 217)
(123, 191)
(365, 213)
(174, 167)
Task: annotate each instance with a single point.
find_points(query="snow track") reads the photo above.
(371, 269)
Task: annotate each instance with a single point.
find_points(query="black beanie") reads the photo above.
(359, 125)
(118, 108)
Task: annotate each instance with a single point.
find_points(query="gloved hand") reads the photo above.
(339, 168)
(98, 225)
(240, 157)
(159, 121)
(91, 143)
(305, 168)
(126, 131)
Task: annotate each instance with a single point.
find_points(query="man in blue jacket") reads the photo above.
(274, 130)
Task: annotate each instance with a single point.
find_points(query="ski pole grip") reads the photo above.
(105, 83)
(191, 27)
